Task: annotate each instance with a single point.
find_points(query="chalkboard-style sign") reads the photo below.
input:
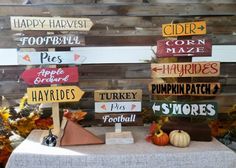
(118, 95)
(187, 69)
(60, 40)
(124, 118)
(54, 94)
(184, 29)
(184, 48)
(185, 109)
(48, 76)
(182, 89)
(50, 58)
(110, 107)
(50, 23)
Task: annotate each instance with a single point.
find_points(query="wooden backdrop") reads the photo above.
(122, 23)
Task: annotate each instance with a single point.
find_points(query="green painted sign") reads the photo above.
(185, 109)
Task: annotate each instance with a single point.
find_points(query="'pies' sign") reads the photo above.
(186, 109)
(183, 48)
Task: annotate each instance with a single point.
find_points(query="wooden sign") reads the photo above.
(188, 69)
(124, 118)
(54, 94)
(50, 23)
(51, 41)
(179, 48)
(186, 109)
(184, 29)
(118, 95)
(48, 76)
(104, 107)
(44, 57)
(182, 89)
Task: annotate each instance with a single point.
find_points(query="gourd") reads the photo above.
(160, 138)
(179, 138)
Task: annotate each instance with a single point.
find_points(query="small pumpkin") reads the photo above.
(160, 138)
(179, 138)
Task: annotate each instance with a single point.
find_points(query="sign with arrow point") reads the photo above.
(184, 29)
(49, 58)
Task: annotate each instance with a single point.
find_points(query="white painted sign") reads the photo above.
(108, 107)
(44, 57)
(50, 23)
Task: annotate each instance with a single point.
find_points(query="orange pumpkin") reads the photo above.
(160, 138)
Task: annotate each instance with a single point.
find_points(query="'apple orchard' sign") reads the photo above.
(48, 76)
(188, 69)
(54, 94)
(179, 48)
(186, 109)
(51, 58)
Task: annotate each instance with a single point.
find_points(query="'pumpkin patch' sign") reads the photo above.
(184, 29)
(48, 76)
(54, 94)
(183, 48)
(185, 109)
(181, 89)
(50, 58)
(187, 69)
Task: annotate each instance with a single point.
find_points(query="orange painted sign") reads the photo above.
(184, 29)
(54, 94)
(186, 69)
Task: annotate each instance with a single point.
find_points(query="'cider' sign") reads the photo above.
(182, 48)
(181, 89)
(186, 109)
(189, 69)
(51, 58)
(184, 29)
(54, 94)
(48, 76)
(50, 23)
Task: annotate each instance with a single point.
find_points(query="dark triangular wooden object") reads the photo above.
(74, 134)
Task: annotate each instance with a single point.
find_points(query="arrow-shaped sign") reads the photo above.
(156, 108)
(105, 107)
(38, 58)
(48, 76)
(54, 94)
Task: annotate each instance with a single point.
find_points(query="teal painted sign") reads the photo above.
(185, 109)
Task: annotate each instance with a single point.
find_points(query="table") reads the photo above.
(31, 154)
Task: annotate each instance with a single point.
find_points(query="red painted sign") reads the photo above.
(48, 76)
(190, 47)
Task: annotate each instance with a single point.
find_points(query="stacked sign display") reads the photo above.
(51, 75)
(185, 48)
(118, 106)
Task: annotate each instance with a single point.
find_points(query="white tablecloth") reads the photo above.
(31, 154)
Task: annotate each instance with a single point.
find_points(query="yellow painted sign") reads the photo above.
(54, 94)
(184, 29)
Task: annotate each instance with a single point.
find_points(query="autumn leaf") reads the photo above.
(44, 123)
(4, 114)
(74, 116)
(23, 101)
